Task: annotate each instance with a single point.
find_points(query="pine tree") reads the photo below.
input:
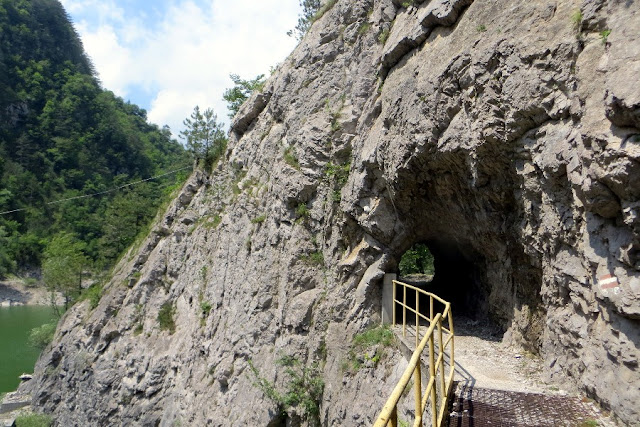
(306, 18)
(236, 95)
(204, 136)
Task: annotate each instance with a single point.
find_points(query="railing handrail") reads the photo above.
(436, 365)
(422, 291)
(391, 403)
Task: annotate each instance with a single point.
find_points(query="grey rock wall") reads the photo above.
(505, 134)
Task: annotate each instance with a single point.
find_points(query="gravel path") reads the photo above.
(484, 361)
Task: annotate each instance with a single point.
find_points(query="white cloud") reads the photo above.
(104, 10)
(108, 55)
(185, 57)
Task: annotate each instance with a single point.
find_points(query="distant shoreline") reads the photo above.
(14, 292)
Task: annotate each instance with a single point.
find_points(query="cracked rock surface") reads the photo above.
(504, 134)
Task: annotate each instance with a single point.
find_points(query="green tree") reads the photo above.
(6, 262)
(64, 262)
(242, 90)
(417, 260)
(136, 209)
(41, 336)
(306, 18)
(205, 137)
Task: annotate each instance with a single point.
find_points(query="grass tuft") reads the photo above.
(259, 219)
(383, 36)
(165, 317)
(314, 259)
(576, 21)
(302, 211)
(304, 387)
(378, 337)
(213, 223)
(323, 9)
(340, 172)
(364, 28)
(34, 420)
(93, 294)
(290, 158)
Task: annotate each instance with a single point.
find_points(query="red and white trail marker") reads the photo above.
(609, 283)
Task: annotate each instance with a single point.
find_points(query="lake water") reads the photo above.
(16, 355)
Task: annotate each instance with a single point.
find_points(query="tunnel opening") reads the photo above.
(446, 270)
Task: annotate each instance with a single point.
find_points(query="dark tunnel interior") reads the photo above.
(456, 280)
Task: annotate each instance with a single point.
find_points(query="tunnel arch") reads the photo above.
(464, 201)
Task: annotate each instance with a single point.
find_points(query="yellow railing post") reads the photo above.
(417, 319)
(452, 340)
(432, 373)
(393, 309)
(418, 389)
(430, 308)
(404, 311)
(441, 348)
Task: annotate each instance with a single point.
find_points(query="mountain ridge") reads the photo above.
(62, 136)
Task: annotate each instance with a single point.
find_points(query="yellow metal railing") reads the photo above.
(438, 386)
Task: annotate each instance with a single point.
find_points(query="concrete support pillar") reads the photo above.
(387, 298)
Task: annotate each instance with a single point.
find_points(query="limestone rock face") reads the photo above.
(504, 134)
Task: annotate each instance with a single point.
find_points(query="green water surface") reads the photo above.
(16, 355)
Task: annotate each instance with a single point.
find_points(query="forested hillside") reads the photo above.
(63, 136)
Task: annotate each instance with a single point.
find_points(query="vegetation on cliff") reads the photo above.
(62, 137)
(240, 92)
(312, 10)
(204, 136)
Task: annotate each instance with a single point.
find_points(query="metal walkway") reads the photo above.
(478, 407)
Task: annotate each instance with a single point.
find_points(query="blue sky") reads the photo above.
(169, 55)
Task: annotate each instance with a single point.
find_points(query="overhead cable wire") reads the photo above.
(84, 196)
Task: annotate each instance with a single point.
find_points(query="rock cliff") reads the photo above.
(504, 134)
